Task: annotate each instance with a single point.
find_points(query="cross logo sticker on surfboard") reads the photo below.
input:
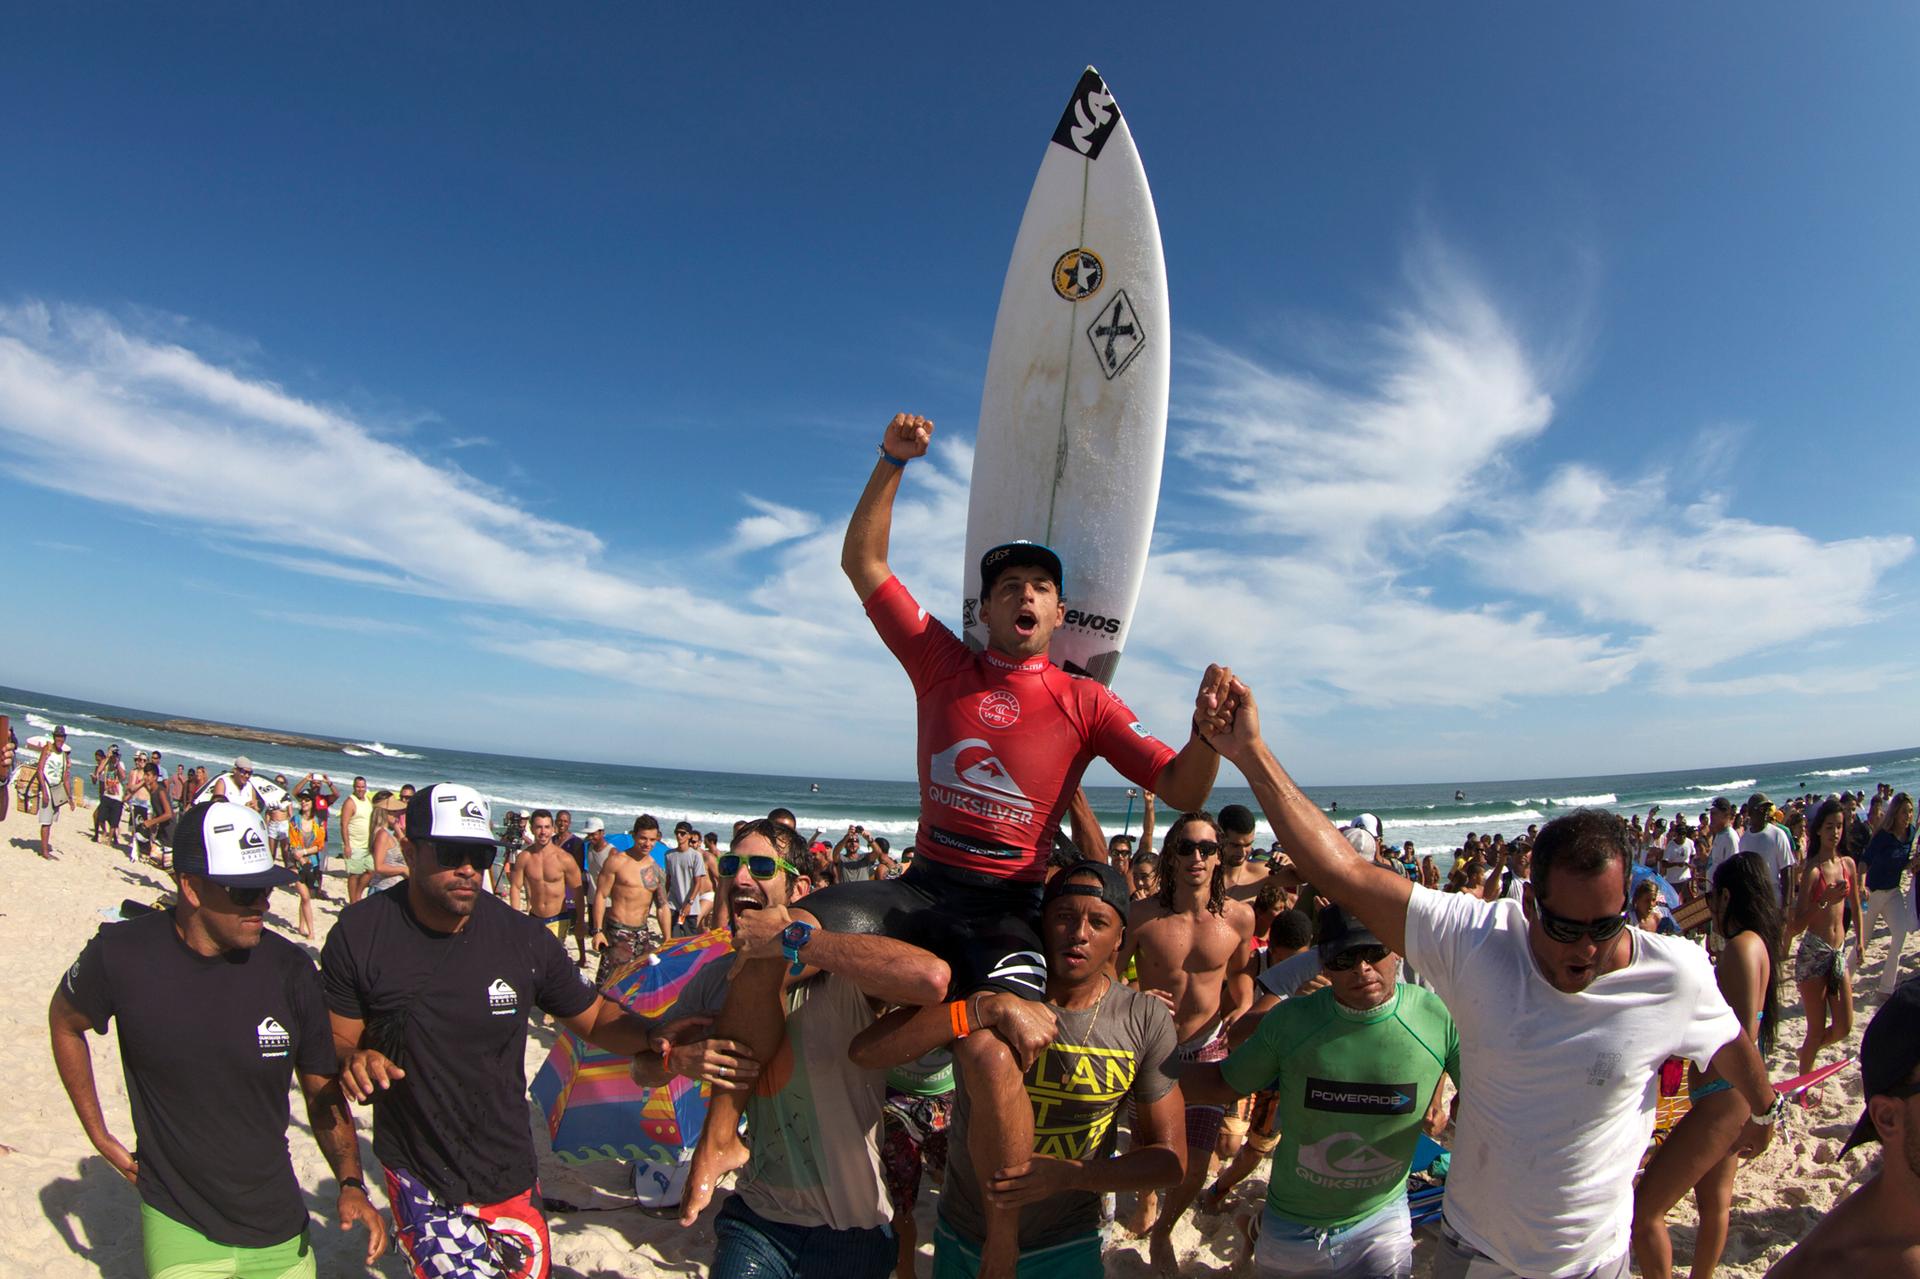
(1117, 335)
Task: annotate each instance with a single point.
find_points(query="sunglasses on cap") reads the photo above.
(1348, 960)
(454, 856)
(759, 865)
(1195, 848)
(1567, 931)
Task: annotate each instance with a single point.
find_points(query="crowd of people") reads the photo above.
(1074, 1034)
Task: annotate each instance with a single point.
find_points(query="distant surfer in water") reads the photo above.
(1004, 736)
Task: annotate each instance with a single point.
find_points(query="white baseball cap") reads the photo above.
(449, 813)
(227, 843)
(1368, 823)
(594, 826)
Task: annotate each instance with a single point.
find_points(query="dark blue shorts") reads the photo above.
(751, 1247)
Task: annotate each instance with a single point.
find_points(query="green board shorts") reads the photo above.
(1076, 1258)
(360, 864)
(175, 1250)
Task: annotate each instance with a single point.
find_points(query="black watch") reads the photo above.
(355, 1182)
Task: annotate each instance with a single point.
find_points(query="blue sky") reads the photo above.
(1542, 392)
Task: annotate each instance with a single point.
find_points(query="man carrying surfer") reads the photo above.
(1004, 736)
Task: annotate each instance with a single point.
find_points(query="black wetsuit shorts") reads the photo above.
(985, 928)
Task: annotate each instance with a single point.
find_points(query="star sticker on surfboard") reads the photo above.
(1117, 335)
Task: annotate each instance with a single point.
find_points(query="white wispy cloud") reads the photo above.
(772, 525)
(342, 622)
(1698, 585)
(1420, 413)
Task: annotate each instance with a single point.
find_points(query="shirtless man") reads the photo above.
(547, 873)
(1192, 942)
(1245, 877)
(630, 917)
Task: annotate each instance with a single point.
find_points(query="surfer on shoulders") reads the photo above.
(1004, 736)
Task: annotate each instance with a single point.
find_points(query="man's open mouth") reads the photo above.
(1026, 623)
(743, 900)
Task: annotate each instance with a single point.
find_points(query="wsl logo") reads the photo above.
(1090, 117)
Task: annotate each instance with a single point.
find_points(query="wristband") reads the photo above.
(957, 1015)
(891, 459)
(1775, 1112)
(355, 1182)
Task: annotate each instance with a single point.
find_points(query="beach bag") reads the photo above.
(26, 789)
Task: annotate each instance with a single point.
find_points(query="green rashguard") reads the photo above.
(1353, 1090)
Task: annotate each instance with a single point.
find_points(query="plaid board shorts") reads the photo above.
(505, 1240)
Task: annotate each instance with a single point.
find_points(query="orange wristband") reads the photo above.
(957, 1012)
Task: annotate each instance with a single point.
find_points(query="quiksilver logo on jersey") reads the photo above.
(273, 1037)
(502, 999)
(968, 776)
(1345, 1160)
(1090, 117)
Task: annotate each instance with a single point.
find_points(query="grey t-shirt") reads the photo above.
(859, 868)
(815, 1143)
(684, 868)
(1106, 1056)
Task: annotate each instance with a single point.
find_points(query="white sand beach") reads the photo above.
(68, 1215)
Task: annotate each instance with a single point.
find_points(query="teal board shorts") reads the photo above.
(175, 1250)
(1077, 1258)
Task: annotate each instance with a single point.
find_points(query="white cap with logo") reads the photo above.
(227, 843)
(449, 813)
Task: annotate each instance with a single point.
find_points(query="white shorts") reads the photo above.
(50, 810)
(1375, 1247)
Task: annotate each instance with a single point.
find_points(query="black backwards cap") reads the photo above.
(1014, 554)
(1112, 889)
(1889, 1051)
(1341, 931)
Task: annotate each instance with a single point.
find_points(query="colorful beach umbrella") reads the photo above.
(594, 1109)
(1669, 895)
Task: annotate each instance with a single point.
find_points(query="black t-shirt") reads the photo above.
(452, 1009)
(209, 1045)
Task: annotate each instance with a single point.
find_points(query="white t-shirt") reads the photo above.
(1724, 846)
(1560, 1100)
(1773, 847)
(1680, 853)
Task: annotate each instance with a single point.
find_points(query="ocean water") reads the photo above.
(1426, 813)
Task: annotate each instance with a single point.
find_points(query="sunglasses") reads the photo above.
(454, 856)
(1196, 848)
(1348, 960)
(1567, 931)
(759, 865)
(244, 898)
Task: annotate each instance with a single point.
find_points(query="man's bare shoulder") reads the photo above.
(1146, 910)
(1856, 1238)
(1240, 915)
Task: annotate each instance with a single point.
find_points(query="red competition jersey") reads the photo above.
(1002, 744)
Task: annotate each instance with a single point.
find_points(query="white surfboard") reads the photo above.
(1073, 421)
